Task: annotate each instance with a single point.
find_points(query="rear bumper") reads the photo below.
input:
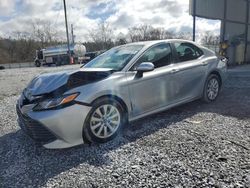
(54, 129)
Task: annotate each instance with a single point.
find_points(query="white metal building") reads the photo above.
(235, 24)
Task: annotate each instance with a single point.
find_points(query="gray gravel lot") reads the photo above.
(194, 145)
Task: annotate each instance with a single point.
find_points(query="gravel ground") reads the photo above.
(194, 145)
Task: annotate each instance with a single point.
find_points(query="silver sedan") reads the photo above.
(94, 103)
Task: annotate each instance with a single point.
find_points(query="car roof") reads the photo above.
(150, 43)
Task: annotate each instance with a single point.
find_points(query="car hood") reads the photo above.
(65, 80)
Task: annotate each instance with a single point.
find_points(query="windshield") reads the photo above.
(116, 58)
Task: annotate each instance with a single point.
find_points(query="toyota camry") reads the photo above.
(128, 82)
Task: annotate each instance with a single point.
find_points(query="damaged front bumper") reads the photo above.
(54, 129)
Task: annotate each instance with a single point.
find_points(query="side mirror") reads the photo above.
(145, 67)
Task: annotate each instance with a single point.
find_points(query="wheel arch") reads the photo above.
(217, 73)
(114, 97)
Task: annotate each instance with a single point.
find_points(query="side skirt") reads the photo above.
(163, 109)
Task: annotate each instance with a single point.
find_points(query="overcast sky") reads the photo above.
(15, 15)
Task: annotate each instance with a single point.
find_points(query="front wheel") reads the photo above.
(211, 89)
(37, 63)
(104, 121)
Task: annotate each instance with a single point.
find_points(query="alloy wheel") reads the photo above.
(105, 121)
(212, 89)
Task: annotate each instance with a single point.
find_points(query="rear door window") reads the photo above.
(187, 51)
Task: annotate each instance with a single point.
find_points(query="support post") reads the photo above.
(246, 33)
(224, 20)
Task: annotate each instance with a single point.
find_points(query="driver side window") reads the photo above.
(160, 55)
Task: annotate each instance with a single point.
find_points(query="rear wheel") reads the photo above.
(211, 89)
(58, 62)
(104, 121)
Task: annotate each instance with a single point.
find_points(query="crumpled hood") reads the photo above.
(65, 80)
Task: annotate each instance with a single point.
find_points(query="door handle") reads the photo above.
(204, 63)
(174, 71)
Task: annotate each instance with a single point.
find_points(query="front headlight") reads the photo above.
(55, 102)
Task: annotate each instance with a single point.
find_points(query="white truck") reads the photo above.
(58, 55)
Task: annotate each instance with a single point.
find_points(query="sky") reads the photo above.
(85, 15)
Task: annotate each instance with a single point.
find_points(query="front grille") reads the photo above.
(34, 129)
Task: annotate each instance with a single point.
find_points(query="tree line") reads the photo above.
(21, 46)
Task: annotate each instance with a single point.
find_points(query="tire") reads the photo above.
(97, 124)
(38, 63)
(212, 88)
(58, 63)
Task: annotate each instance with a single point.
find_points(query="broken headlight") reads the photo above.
(53, 103)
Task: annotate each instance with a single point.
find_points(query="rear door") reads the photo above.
(190, 72)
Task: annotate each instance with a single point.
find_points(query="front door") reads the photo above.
(152, 90)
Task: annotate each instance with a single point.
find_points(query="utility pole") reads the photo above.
(66, 24)
(72, 34)
(194, 19)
